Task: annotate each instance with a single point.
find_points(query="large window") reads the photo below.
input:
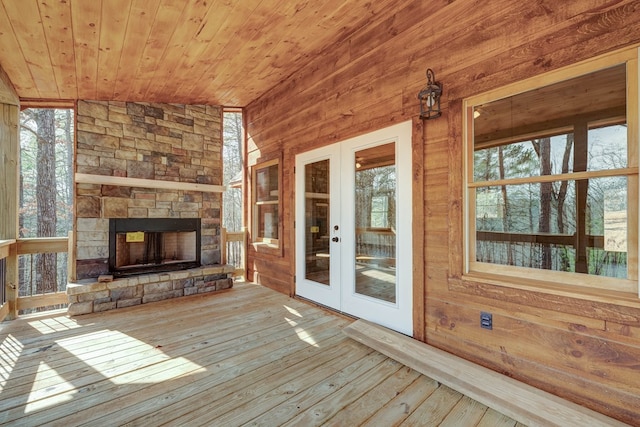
(266, 202)
(552, 181)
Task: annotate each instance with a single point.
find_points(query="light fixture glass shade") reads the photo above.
(430, 98)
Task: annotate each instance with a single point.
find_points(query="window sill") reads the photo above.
(543, 293)
(267, 247)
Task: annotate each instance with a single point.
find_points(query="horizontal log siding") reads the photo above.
(583, 349)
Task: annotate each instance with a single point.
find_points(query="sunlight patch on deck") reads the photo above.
(302, 334)
(56, 324)
(153, 365)
(292, 311)
(37, 397)
(10, 350)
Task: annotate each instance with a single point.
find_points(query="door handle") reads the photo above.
(335, 239)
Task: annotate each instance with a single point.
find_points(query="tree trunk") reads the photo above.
(46, 264)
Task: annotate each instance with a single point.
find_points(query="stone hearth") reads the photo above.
(91, 296)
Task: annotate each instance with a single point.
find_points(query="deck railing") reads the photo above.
(234, 250)
(22, 288)
(7, 251)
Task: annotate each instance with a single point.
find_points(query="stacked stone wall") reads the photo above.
(167, 142)
(93, 296)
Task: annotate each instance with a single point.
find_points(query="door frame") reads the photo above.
(402, 135)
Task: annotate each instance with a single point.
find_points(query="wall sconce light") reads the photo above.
(430, 97)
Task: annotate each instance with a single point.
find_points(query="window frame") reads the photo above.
(258, 240)
(533, 278)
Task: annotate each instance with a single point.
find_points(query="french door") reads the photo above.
(353, 227)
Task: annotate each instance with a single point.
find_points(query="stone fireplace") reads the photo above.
(155, 165)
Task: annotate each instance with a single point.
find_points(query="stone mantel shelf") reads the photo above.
(84, 178)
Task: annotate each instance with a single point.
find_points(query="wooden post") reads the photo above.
(243, 257)
(12, 284)
(71, 258)
(418, 138)
(223, 245)
(9, 119)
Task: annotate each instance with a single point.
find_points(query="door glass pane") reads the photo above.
(317, 221)
(375, 216)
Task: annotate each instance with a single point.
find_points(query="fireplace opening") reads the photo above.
(146, 245)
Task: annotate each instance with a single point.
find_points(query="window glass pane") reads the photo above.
(535, 157)
(268, 221)
(266, 202)
(607, 148)
(535, 225)
(606, 222)
(267, 184)
(375, 220)
(524, 209)
(317, 227)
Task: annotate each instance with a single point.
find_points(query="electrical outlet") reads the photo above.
(486, 320)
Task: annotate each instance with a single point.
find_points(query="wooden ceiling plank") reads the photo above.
(199, 62)
(57, 26)
(307, 38)
(253, 40)
(86, 17)
(183, 43)
(137, 32)
(16, 69)
(314, 37)
(165, 22)
(113, 25)
(33, 45)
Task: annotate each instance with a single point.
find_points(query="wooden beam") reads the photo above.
(71, 257)
(4, 311)
(43, 245)
(417, 160)
(517, 400)
(4, 247)
(47, 103)
(83, 178)
(9, 164)
(46, 300)
(235, 236)
(571, 176)
(9, 117)
(8, 93)
(223, 245)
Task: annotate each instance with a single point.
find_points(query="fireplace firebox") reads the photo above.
(151, 245)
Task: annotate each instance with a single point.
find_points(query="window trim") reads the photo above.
(506, 275)
(261, 241)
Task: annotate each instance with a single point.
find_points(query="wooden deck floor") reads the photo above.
(248, 356)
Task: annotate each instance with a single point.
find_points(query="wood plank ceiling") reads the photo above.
(225, 52)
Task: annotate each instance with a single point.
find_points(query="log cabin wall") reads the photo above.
(583, 349)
